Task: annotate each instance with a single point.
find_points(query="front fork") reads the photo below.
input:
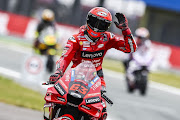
(51, 108)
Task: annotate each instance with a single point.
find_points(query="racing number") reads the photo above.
(81, 89)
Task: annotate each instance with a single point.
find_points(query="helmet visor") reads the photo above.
(98, 24)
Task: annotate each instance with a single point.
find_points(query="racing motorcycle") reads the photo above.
(76, 96)
(48, 46)
(138, 70)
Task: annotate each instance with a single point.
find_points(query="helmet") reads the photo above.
(142, 33)
(48, 15)
(98, 21)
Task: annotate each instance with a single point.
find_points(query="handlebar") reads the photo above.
(108, 100)
(46, 83)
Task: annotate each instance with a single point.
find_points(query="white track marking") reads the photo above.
(11, 73)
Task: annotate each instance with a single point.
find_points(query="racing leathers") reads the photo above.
(80, 48)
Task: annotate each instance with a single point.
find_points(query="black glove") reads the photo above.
(55, 77)
(123, 22)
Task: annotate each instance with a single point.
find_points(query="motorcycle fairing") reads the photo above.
(91, 93)
(72, 85)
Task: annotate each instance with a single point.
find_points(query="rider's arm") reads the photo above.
(128, 45)
(68, 53)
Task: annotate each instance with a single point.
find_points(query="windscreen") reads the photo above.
(83, 77)
(85, 71)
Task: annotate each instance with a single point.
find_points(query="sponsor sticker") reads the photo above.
(65, 51)
(93, 94)
(91, 55)
(111, 35)
(72, 39)
(100, 45)
(67, 77)
(131, 44)
(86, 44)
(105, 38)
(85, 107)
(93, 43)
(68, 45)
(92, 100)
(75, 94)
(62, 83)
(84, 48)
(61, 99)
(123, 48)
(93, 81)
(59, 89)
(81, 43)
(101, 13)
(95, 86)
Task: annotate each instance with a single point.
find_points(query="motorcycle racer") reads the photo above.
(47, 20)
(143, 42)
(93, 41)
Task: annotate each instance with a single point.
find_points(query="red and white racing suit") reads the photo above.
(79, 48)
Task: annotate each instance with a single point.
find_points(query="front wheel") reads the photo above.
(130, 87)
(66, 117)
(143, 85)
(50, 63)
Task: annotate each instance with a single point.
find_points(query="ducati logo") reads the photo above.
(102, 13)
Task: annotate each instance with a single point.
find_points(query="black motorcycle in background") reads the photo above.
(138, 70)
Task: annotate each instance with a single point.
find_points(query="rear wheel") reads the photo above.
(66, 117)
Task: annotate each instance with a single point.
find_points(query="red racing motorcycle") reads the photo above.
(76, 96)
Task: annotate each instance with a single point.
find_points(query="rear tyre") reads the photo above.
(66, 117)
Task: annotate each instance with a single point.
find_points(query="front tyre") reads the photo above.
(66, 117)
(143, 85)
(50, 63)
(130, 87)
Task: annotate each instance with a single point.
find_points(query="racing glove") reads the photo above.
(55, 77)
(122, 21)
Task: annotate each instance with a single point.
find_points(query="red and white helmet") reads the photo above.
(98, 21)
(142, 33)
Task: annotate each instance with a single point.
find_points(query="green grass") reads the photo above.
(166, 78)
(15, 41)
(13, 93)
(113, 65)
(163, 77)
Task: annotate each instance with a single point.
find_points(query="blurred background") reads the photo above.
(18, 23)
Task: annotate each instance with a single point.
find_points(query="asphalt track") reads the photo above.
(157, 105)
